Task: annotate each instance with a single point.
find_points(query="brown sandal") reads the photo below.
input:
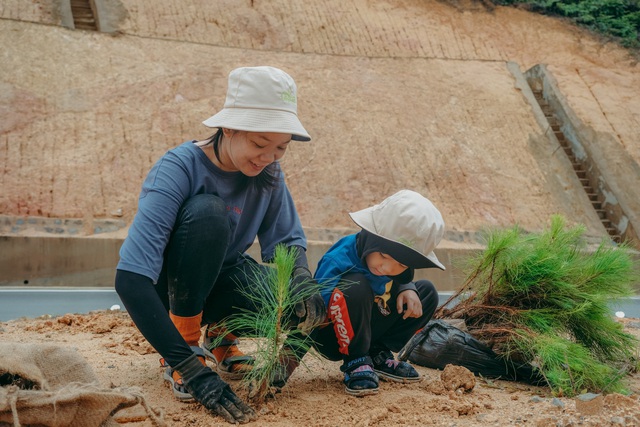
(233, 363)
(172, 377)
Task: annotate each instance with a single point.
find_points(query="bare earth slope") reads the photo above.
(397, 94)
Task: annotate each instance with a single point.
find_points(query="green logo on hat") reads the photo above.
(288, 96)
(406, 242)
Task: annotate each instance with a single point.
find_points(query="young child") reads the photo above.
(374, 305)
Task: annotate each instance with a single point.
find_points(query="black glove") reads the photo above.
(310, 309)
(212, 392)
(286, 365)
(293, 350)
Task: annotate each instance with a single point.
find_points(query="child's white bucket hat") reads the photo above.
(260, 99)
(407, 218)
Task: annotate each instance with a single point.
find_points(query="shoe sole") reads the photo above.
(166, 375)
(181, 396)
(388, 377)
(361, 393)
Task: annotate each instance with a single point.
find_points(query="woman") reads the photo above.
(202, 205)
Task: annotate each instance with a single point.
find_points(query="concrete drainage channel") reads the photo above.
(103, 16)
(21, 302)
(602, 171)
(16, 303)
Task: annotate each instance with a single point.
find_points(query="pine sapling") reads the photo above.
(272, 324)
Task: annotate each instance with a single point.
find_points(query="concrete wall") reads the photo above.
(58, 261)
(91, 262)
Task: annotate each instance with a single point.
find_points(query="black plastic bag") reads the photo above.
(439, 344)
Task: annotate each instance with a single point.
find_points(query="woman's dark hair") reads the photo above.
(265, 180)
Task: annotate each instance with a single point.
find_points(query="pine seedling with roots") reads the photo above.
(545, 299)
(272, 324)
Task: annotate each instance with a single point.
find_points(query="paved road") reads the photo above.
(18, 302)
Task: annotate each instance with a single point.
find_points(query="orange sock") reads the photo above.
(226, 351)
(223, 351)
(189, 328)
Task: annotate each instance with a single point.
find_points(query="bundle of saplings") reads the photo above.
(546, 299)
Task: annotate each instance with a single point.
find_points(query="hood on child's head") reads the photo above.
(367, 243)
(407, 225)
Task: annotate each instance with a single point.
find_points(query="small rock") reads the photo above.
(589, 403)
(632, 420)
(265, 410)
(486, 418)
(394, 409)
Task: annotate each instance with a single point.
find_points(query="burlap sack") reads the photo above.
(49, 385)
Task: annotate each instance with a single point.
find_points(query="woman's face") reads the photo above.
(251, 152)
(381, 264)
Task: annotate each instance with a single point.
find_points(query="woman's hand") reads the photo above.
(310, 308)
(213, 393)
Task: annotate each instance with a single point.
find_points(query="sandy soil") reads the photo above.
(121, 357)
(416, 93)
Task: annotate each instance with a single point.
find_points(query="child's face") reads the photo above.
(381, 264)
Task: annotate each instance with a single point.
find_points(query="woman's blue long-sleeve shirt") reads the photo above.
(185, 171)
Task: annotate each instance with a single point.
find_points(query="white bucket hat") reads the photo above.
(260, 99)
(407, 218)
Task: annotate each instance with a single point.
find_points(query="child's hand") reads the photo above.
(412, 301)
